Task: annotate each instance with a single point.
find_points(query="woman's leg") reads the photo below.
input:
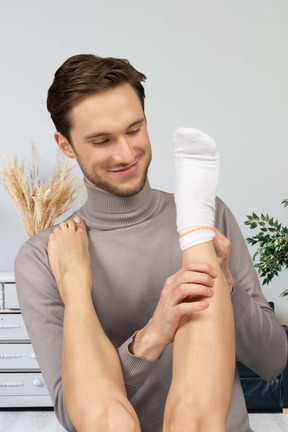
(92, 380)
(204, 345)
(203, 359)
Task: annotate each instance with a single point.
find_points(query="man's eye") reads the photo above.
(99, 143)
(134, 131)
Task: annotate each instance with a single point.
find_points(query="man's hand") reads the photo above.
(184, 293)
(222, 248)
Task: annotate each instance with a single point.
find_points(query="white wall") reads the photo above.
(219, 65)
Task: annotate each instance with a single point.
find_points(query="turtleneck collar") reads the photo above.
(106, 211)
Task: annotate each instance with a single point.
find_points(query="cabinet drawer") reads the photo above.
(23, 390)
(7, 277)
(22, 384)
(17, 356)
(12, 327)
(10, 296)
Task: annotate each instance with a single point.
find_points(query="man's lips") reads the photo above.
(127, 170)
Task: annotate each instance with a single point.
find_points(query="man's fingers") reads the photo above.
(221, 243)
(199, 267)
(190, 308)
(197, 278)
(192, 267)
(188, 282)
(192, 290)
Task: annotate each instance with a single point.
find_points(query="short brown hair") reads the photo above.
(83, 75)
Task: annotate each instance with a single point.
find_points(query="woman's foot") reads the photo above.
(69, 256)
(196, 177)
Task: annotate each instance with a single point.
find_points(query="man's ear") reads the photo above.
(64, 145)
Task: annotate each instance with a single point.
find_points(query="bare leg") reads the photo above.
(204, 344)
(92, 380)
(203, 359)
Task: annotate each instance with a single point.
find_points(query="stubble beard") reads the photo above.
(98, 181)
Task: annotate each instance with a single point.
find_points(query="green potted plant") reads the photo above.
(271, 255)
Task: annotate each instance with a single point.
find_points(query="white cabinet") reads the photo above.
(21, 382)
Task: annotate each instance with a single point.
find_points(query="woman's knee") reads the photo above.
(177, 418)
(114, 417)
(186, 416)
(120, 417)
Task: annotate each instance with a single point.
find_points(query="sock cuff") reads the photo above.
(201, 228)
(196, 237)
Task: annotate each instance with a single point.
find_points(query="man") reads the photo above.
(134, 305)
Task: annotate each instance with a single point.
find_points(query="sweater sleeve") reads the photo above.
(135, 369)
(261, 342)
(43, 311)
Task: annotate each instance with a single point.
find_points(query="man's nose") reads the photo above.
(124, 152)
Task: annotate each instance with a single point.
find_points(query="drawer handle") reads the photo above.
(9, 326)
(8, 356)
(38, 383)
(10, 384)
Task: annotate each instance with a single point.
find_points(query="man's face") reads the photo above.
(110, 140)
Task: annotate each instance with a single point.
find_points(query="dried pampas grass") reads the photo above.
(38, 203)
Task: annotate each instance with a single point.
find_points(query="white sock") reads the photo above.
(196, 178)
